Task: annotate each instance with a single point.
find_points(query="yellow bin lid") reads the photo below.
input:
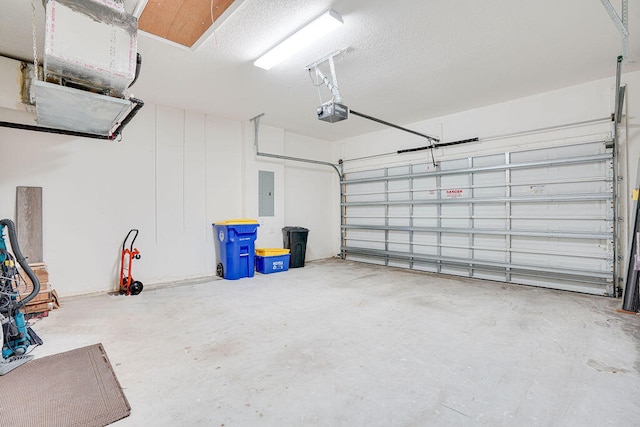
(271, 251)
(239, 221)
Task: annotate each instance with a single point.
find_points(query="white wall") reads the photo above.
(313, 195)
(178, 171)
(174, 174)
(169, 178)
(569, 105)
(306, 195)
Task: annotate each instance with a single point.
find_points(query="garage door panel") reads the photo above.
(489, 255)
(455, 216)
(590, 186)
(456, 271)
(490, 248)
(568, 172)
(489, 184)
(540, 217)
(367, 192)
(430, 267)
(589, 226)
(455, 245)
(368, 259)
(559, 262)
(399, 170)
(369, 239)
(399, 190)
(550, 210)
(557, 152)
(490, 216)
(425, 243)
(425, 188)
(488, 275)
(399, 215)
(581, 247)
(425, 216)
(454, 186)
(456, 164)
(366, 216)
(426, 249)
(484, 161)
(585, 284)
(398, 241)
(399, 264)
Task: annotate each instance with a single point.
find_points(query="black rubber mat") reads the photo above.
(74, 388)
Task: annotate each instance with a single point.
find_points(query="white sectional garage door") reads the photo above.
(540, 217)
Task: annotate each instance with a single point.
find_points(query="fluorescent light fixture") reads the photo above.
(314, 30)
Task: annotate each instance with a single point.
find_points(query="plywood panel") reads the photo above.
(29, 222)
(181, 21)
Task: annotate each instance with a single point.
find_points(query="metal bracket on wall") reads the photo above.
(256, 124)
(621, 23)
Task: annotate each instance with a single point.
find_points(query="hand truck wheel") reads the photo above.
(220, 270)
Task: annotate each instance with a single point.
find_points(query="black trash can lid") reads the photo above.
(291, 228)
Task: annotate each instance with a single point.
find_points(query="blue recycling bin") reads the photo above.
(235, 254)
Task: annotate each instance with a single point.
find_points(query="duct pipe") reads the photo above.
(15, 248)
(138, 105)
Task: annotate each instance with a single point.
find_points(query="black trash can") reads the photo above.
(295, 239)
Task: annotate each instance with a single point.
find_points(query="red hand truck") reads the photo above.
(129, 286)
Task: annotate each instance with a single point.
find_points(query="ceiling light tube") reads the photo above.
(314, 30)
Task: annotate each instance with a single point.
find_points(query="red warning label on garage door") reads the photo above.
(453, 193)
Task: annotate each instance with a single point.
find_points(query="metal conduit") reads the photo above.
(337, 168)
(256, 122)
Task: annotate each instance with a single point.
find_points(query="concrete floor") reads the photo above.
(344, 344)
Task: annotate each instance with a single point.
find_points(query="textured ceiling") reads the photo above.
(409, 60)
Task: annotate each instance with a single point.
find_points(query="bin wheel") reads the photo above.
(220, 270)
(135, 288)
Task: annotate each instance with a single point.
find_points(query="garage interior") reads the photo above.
(467, 171)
